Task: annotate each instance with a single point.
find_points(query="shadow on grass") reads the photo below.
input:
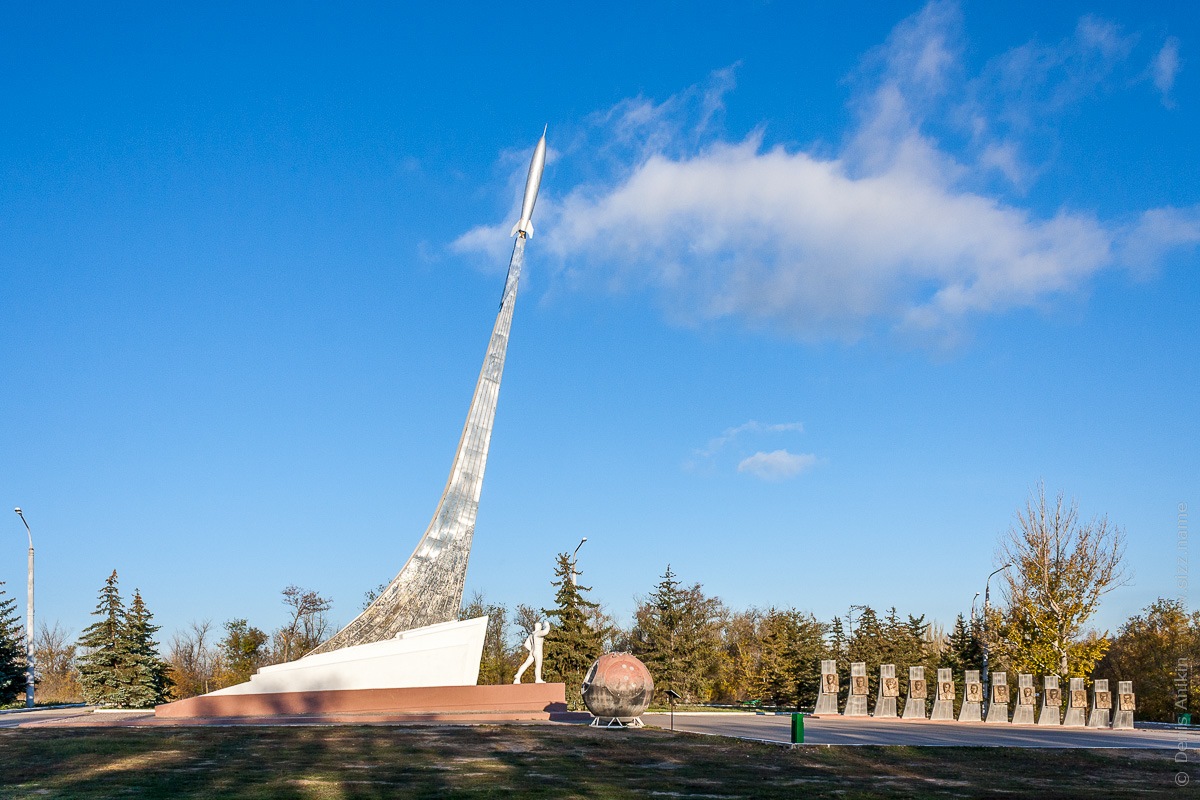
(535, 761)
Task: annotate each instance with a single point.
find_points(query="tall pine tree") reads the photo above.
(572, 644)
(146, 673)
(104, 665)
(12, 651)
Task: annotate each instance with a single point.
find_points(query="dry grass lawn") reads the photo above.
(539, 761)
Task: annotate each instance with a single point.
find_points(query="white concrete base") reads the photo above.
(915, 708)
(447, 654)
(970, 712)
(827, 703)
(942, 710)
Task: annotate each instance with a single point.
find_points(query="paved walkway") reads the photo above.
(830, 730)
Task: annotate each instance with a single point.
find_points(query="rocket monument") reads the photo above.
(429, 587)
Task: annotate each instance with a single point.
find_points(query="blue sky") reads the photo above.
(818, 294)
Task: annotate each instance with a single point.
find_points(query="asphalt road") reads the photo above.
(12, 719)
(818, 731)
(870, 731)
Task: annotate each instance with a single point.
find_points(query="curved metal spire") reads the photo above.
(429, 588)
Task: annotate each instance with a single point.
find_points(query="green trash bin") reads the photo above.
(797, 728)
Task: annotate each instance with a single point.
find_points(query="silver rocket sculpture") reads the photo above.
(428, 589)
(533, 180)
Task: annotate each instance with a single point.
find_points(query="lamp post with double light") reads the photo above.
(987, 593)
(29, 667)
(574, 559)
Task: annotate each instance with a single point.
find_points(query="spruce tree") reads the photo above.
(12, 651)
(916, 647)
(837, 643)
(792, 646)
(655, 636)
(104, 666)
(147, 673)
(678, 636)
(964, 650)
(572, 644)
(867, 644)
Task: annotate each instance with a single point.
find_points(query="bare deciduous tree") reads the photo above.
(193, 660)
(309, 623)
(525, 618)
(57, 676)
(498, 663)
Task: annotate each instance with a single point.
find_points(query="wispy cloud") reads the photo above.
(1165, 67)
(772, 465)
(1011, 108)
(776, 465)
(902, 227)
(1155, 233)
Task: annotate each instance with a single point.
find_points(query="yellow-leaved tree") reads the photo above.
(1061, 568)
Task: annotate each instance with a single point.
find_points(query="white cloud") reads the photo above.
(1165, 67)
(716, 444)
(795, 240)
(491, 240)
(893, 229)
(777, 465)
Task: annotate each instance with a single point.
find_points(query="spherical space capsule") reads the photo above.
(617, 689)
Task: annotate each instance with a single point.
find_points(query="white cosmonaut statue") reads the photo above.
(533, 643)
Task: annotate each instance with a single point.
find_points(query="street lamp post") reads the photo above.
(29, 673)
(574, 559)
(987, 593)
